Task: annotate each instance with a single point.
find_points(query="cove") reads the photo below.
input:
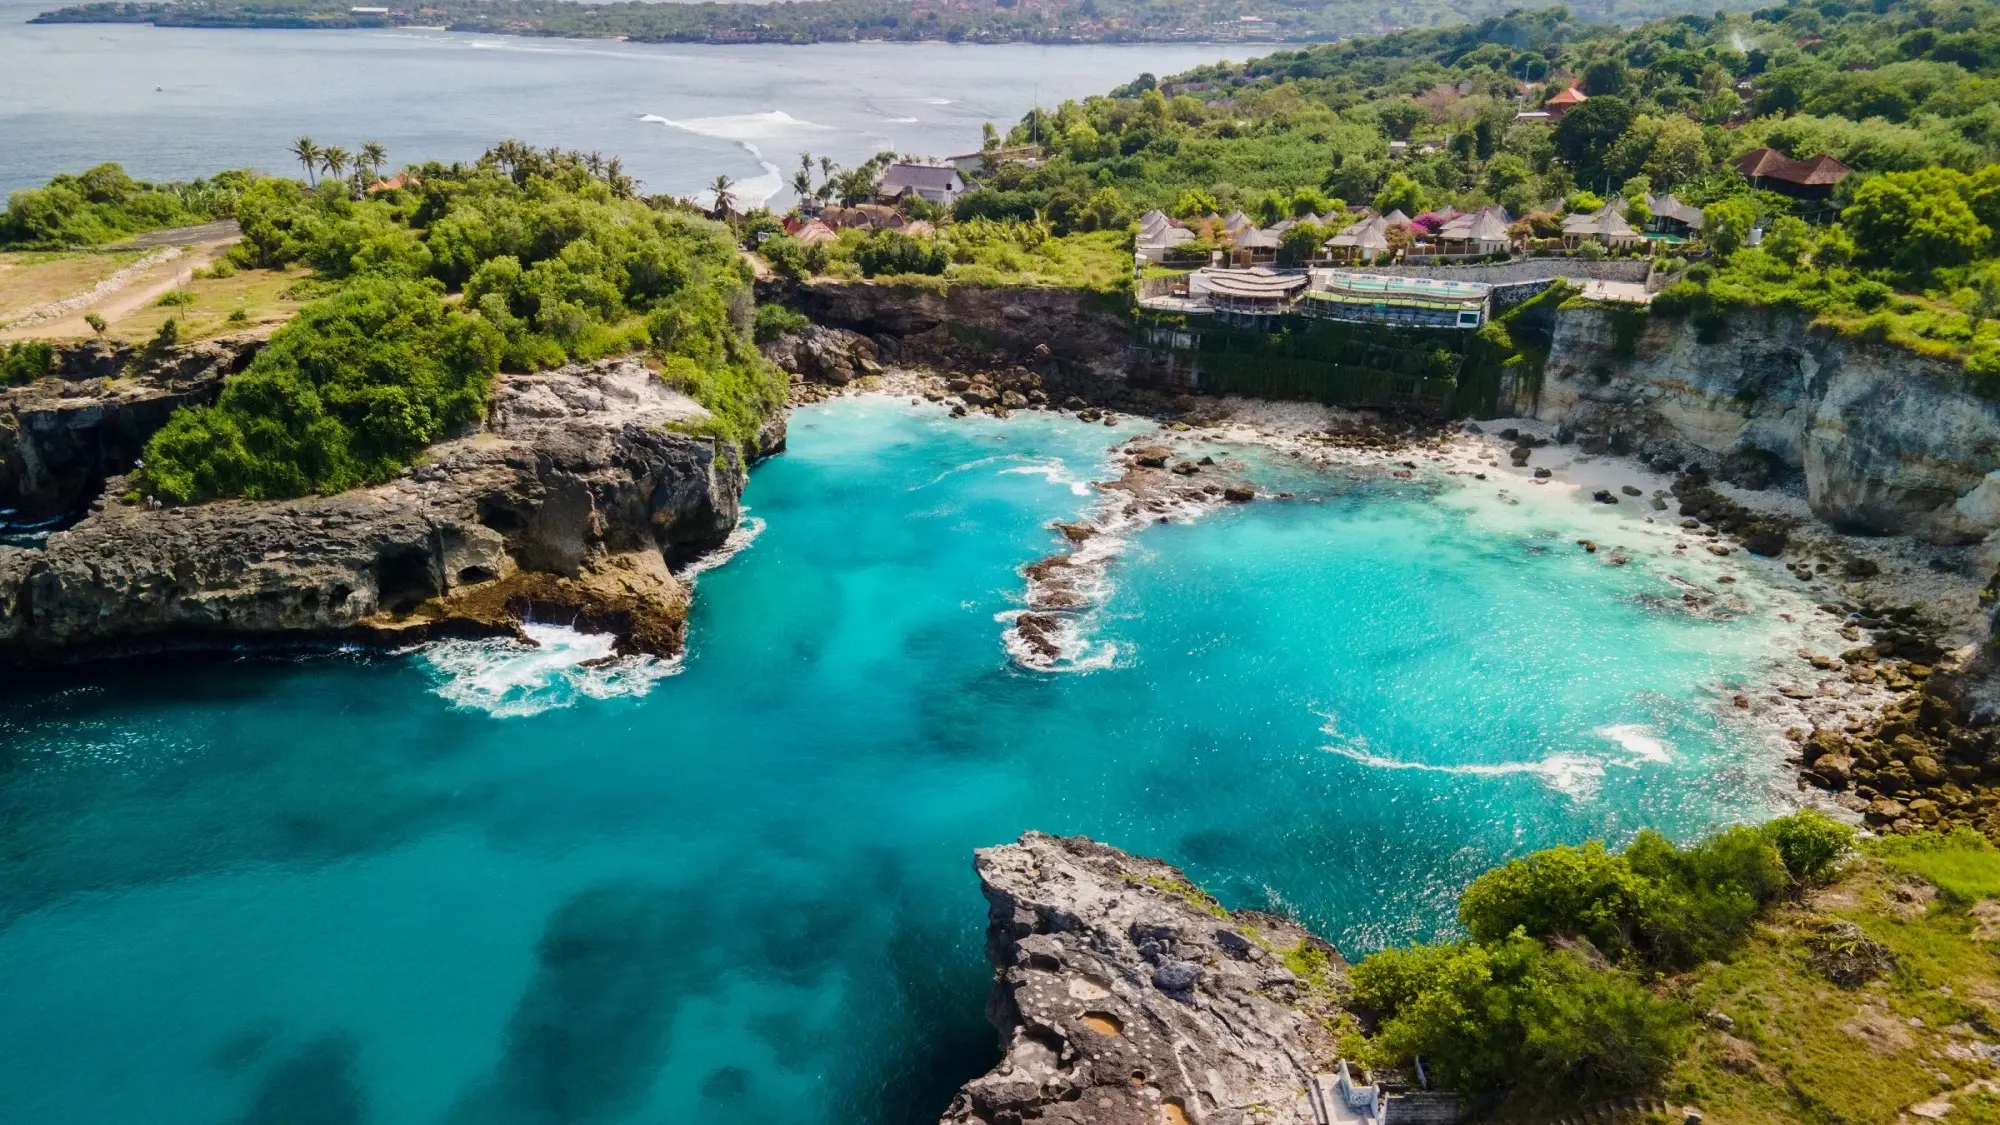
(478, 885)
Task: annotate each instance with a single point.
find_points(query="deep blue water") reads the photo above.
(324, 892)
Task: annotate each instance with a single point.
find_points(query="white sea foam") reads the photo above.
(1054, 470)
(1638, 740)
(745, 533)
(507, 679)
(1575, 775)
(748, 130)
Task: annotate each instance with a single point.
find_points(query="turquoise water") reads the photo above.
(343, 890)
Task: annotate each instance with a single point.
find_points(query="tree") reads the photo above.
(1788, 240)
(1586, 133)
(1193, 204)
(1725, 224)
(1300, 243)
(1401, 193)
(1916, 221)
(1605, 76)
(95, 321)
(725, 200)
(307, 154)
(373, 156)
(802, 184)
(989, 137)
(334, 160)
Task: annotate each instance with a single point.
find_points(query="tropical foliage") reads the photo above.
(103, 204)
(525, 260)
(1550, 992)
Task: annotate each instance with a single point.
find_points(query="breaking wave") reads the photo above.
(747, 131)
(1574, 775)
(745, 533)
(508, 679)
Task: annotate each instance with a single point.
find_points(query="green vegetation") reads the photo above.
(24, 361)
(975, 251)
(524, 260)
(104, 205)
(814, 21)
(1555, 995)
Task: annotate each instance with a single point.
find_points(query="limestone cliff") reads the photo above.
(1067, 331)
(63, 436)
(570, 503)
(1125, 996)
(1888, 442)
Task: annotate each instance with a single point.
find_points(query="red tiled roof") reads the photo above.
(1571, 96)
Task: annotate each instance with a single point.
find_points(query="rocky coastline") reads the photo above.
(1124, 995)
(570, 505)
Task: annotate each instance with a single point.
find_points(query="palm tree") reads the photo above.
(308, 154)
(373, 155)
(802, 184)
(334, 159)
(725, 203)
(622, 185)
(595, 163)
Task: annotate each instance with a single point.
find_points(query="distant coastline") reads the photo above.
(1061, 22)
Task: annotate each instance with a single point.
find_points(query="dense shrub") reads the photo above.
(893, 252)
(24, 361)
(345, 395)
(775, 321)
(1517, 1015)
(104, 204)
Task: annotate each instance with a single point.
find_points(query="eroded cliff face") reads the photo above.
(1888, 442)
(1125, 996)
(570, 504)
(63, 436)
(1066, 331)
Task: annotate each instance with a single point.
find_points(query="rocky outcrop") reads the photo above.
(1125, 996)
(63, 436)
(1887, 442)
(569, 505)
(817, 354)
(959, 326)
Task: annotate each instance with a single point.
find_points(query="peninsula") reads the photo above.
(826, 21)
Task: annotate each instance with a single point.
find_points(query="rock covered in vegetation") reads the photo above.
(1125, 996)
(568, 506)
(63, 436)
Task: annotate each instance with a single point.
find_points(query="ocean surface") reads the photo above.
(174, 103)
(482, 884)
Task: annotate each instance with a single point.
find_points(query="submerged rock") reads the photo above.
(1125, 996)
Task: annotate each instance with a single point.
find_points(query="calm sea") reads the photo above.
(482, 885)
(175, 103)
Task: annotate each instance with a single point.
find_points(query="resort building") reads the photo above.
(1365, 238)
(1564, 102)
(1672, 217)
(1255, 297)
(939, 183)
(980, 163)
(1476, 234)
(1158, 235)
(1812, 179)
(1606, 226)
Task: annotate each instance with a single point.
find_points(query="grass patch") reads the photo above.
(1963, 865)
(205, 305)
(31, 279)
(1181, 889)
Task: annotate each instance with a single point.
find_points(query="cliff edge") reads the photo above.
(1125, 996)
(569, 505)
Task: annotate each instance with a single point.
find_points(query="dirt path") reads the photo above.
(136, 291)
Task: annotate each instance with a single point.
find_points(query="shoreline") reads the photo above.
(1820, 673)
